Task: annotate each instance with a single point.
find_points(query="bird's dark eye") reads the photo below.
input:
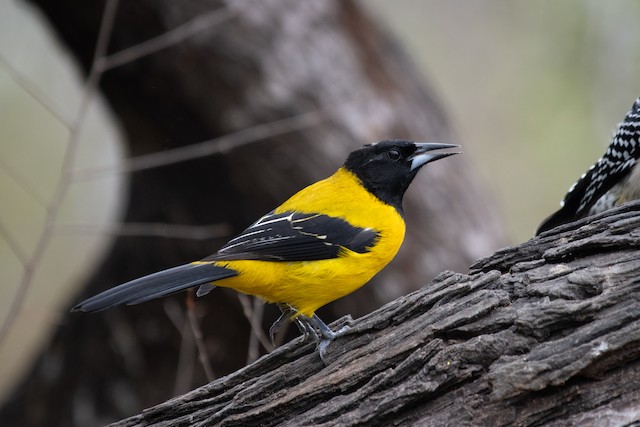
(393, 154)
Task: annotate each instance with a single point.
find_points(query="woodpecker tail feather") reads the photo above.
(156, 285)
(601, 187)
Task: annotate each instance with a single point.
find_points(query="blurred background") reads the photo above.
(534, 89)
(103, 188)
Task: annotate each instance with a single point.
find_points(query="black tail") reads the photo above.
(559, 217)
(156, 285)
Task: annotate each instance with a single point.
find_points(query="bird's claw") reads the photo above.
(323, 334)
(288, 315)
(277, 326)
(308, 326)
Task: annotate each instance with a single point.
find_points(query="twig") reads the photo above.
(13, 245)
(254, 342)
(23, 183)
(66, 170)
(197, 335)
(184, 370)
(155, 229)
(254, 322)
(32, 89)
(210, 147)
(168, 39)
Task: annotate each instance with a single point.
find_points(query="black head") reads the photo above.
(387, 168)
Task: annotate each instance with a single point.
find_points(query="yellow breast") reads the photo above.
(308, 285)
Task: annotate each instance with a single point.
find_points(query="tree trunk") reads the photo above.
(547, 332)
(337, 80)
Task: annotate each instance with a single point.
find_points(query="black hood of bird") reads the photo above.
(386, 168)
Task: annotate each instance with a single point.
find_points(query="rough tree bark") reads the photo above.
(545, 333)
(250, 63)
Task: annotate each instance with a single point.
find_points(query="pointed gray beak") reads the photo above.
(422, 156)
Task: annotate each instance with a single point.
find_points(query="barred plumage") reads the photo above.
(610, 181)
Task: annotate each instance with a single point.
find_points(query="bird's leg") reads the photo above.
(286, 316)
(314, 326)
(322, 333)
(307, 328)
(289, 314)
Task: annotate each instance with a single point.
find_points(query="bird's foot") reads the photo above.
(277, 327)
(322, 334)
(288, 315)
(308, 326)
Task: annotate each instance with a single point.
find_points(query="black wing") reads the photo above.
(292, 236)
(620, 157)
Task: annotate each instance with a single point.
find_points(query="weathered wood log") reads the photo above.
(547, 332)
(334, 80)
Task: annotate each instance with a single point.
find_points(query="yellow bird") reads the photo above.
(323, 243)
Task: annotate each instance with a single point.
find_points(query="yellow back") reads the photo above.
(308, 285)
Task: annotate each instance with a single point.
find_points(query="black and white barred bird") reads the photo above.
(611, 181)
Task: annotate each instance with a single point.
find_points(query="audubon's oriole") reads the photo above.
(323, 243)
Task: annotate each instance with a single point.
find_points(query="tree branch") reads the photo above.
(544, 332)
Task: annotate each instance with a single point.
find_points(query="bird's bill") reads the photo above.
(422, 156)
